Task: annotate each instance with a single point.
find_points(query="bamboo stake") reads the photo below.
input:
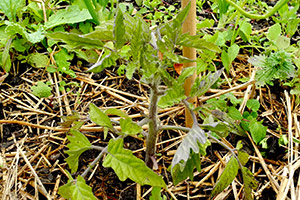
(189, 26)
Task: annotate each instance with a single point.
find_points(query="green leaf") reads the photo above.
(195, 41)
(76, 189)
(62, 59)
(173, 95)
(75, 40)
(249, 183)
(193, 162)
(225, 60)
(10, 8)
(234, 113)
(38, 60)
(245, 31)
(156, 194)
(117, 112)
(16, 28)
(234, 127)
(191, 142)
(68, 120)
(223, 7)
(274, 32)
(103, 32)
(128, 127)
(119, 30)
(243, 157)
(253, 104)
(70, 15)
(108, 59)
(98, 117)
(228, 175)
(6, 62)
(126, 165)
(282, 42)
(257, 130)
(42, 90)
(233, 51)
(78, 144)
(201, 85)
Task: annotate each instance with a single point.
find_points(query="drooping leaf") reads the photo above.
(191, 141)
(77, 189)
(249, 183)
(68, 120)
(75, 40)
(201, 85)
(128, 127)
(71, 15)
(41, 90)
(78, 144)
(119, 30)
(126, 165)
(228, 175)
(257, 130)
(193, 162)
(11, 7)
(98, 117)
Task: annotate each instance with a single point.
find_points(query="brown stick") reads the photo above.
(189, 26)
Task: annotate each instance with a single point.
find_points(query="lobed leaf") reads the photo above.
(78, 144)
(191, 142)
(126, 165)
(193, 162)
(76, 189)
(201, 85)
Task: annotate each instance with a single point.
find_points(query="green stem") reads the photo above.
(92, 11)
(278, 5)
(153, 125)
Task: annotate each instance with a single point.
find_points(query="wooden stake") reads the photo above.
(189, 26)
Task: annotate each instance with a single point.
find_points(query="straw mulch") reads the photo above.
(33, 141)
